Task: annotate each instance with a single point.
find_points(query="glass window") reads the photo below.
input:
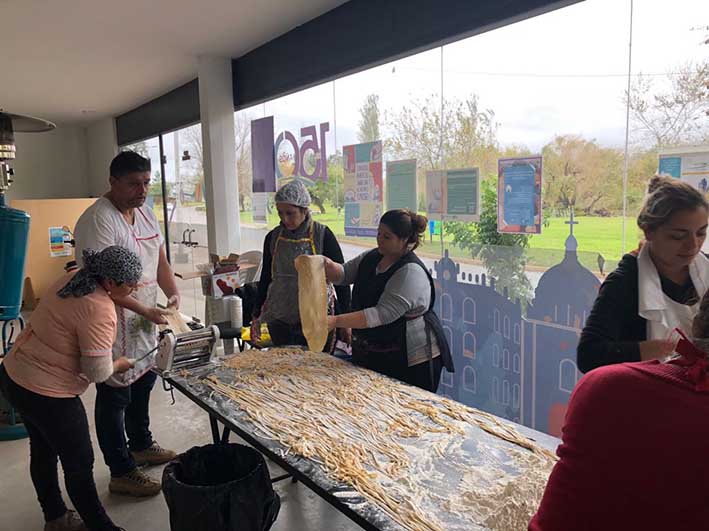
(469, 379)
(567, 375)
(469, 311)
(447, 307)
(150, 149)
(447, 379)
(506, 392)
(472, 103)
(187, 215)
(495, 356)
(469, 345)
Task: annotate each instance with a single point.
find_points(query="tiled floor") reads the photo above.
(179, 426)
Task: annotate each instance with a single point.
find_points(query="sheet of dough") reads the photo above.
(312, 300)
(175, 322)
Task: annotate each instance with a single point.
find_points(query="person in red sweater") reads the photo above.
(634, 451)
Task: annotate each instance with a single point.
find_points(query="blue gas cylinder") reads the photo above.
(14, 236)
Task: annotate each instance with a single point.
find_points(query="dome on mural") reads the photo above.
(566, 292)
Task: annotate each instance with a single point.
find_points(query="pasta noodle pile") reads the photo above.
(381, 437)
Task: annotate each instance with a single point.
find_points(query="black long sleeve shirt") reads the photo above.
(331, 249)
(614, 329)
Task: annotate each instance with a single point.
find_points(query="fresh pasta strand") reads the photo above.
(361, 428)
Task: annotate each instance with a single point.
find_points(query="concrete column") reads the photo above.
(216, 101)
(102, 146)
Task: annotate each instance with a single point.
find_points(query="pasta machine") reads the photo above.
(187, 350)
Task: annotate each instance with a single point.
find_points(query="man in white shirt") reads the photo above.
(122, 402)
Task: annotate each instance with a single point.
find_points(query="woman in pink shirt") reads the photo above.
(67, 345)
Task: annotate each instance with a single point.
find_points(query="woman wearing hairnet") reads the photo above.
(298, 233)
(66, 345)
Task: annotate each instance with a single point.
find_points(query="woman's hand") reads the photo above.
(331, 322)
(122, 364)
(333, 271)
(156, 315)
(655, 349)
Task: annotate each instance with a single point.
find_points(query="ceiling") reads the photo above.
(76, 61)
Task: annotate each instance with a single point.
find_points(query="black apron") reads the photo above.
(384, 349)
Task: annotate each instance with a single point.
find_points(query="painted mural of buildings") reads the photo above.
(520, 368)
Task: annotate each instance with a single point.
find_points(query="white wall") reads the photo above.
(102, 147)
(70, 161)
(51, 165)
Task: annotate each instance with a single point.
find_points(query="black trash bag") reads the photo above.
(223, 487)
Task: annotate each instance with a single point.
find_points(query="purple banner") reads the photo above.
(263, 159)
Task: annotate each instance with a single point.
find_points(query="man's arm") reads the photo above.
(154, 315)
(166, 280)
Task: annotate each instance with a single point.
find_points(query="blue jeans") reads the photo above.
(58, 428)
(122, 411)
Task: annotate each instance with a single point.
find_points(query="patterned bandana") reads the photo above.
(294, 193)
(113, 263)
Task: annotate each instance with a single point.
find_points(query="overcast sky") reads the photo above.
(559, 73)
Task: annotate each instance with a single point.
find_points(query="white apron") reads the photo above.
(661, 312)
(135, 335)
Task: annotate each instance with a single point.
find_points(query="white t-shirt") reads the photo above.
(102, 225)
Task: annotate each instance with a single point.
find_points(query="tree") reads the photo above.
(369, 120)
(332, 190)
(642, 165)
(462, 135)
(504, 255)
(580, 173)
(458, 134)
(244, 172)
(141, 148)
(192, 137)
(676, 115)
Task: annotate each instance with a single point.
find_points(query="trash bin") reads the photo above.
(220, 487)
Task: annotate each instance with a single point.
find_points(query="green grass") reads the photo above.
(595, 235)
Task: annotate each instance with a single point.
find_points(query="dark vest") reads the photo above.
(384, 348)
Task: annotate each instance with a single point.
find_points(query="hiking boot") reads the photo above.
(153, 455)
(69, 521)
(134, 483)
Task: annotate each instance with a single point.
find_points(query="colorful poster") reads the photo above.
(363, 188)
(462, 195)
(695, 171)
(435, 194)
(57, 238)
(688, 164)
(263, 159)
(519, 195)
(671, 166)
(401, 191)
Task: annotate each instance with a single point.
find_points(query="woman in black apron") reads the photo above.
(394, 328)
(298, 233)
